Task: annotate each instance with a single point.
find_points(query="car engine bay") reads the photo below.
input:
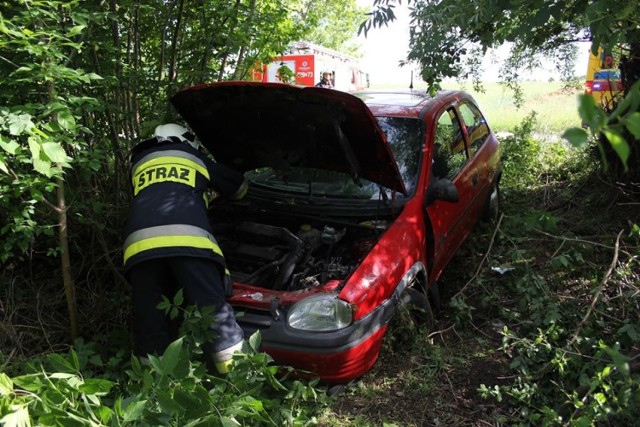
(297, 256)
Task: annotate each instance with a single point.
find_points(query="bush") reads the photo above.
(80, 388)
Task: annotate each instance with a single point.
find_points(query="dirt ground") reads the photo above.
(437, 381)
(411, 389)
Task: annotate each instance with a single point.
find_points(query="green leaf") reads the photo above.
(104, 413)
(255, 340)
(632, 122)
(171, 356)
(195, 402)
(621, 362)
(619, 144)
(75, 30)
(164, 305)
(18, 124)
(96, 386)
(155, 363)
(60, 363)
(3, 167)
(586, 107)
(9, 145)
(29, 382)
(18, 418)
(73, 359)
(251, 403)
(179, 298)
(133, 411)
(66, 120)
(23, 70)
(517, 361)
(6, 385)
(55, 152)
(95, 165)
(600, 398)
(577, 137)
(167, 404)
(583, 421)
(61, 376)
(229, 422)
(43, 167)
(591, 114)
(34, 147)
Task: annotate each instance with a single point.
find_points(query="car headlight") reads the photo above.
(320, 313)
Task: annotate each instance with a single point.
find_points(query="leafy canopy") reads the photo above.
(444, 33)
(449, 37)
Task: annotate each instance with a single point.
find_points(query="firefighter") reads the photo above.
(169, 244)
(325, 80)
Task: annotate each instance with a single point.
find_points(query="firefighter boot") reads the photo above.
(222, 359)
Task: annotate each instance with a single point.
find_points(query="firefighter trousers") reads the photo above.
(202, 282)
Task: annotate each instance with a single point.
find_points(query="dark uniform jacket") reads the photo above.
(168, 215)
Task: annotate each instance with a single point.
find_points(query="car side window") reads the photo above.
(450, 152)
(477, 128)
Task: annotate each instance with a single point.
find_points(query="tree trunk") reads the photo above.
(630, 66)
(174, 44)
(630, 74)
(230, 30)
(63, 239)
(239, 71)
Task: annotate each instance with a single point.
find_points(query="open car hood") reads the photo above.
(247, 125)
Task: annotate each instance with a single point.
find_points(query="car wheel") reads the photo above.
(492, 204)
(412, 314)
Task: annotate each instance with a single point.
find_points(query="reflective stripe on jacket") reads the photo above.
(169, 236)
(168, 214)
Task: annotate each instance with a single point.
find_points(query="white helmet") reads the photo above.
(173, 131)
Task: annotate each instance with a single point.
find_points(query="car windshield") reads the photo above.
(404, 135)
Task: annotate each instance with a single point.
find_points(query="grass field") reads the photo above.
(556, 107)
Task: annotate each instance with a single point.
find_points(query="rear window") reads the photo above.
(477, 128)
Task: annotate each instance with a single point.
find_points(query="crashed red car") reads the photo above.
(356, 204)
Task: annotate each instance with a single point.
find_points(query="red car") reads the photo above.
(356, 204)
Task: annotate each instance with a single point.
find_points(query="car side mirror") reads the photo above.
(442, 189)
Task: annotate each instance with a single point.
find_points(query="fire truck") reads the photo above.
(603, 78)
(305, 63)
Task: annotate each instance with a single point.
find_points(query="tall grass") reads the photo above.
(556, 107)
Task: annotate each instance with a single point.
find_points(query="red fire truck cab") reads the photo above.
(305, 64)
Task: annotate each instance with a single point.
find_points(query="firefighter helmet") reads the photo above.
(173, 131)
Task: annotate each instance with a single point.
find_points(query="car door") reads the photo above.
(477, 132)
(450, 220)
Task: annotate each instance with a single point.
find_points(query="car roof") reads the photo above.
(405, 102)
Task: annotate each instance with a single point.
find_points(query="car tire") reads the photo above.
(417, 303)
(413, 313)
(434, 299)
(491, 210)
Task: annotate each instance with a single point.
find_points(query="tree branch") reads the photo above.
(595, 298)
(486, 255)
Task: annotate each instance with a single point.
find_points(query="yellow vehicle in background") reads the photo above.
(603, 79)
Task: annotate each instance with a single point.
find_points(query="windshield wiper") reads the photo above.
(349, 154)
(385, 196)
